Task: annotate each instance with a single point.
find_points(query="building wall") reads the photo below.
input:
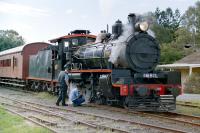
(185, 74)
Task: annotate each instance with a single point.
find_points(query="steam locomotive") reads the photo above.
(116, 69)
(119, 69)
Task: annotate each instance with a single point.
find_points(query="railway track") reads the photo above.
(54, 121)
(94, 121)
(188, 104)
(184, 119)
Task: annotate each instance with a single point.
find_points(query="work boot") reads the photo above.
(64, 104)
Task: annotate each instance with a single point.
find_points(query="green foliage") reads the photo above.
(163, 35)
(183, 37)
(13, 124)
(170, 54)
(166, 24)
(192, 85)
(10, 39)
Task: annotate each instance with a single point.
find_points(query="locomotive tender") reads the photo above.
(116, 69)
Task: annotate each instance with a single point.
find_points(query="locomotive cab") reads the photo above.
(71, 42)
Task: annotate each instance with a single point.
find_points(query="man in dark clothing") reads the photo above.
(63, 80)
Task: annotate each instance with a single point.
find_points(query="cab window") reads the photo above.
(75, 42)
(66, 44)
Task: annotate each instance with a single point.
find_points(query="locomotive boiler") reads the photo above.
(129, 46)
(119, 68)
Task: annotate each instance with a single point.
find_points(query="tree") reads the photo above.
(191, 21)
(171, 35)
(163, 35)
(168, 18)
(167, 22)
(170, 54)
(182, 38)
(10, 39)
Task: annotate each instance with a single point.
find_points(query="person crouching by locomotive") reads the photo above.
(76, 96)
(63, 80)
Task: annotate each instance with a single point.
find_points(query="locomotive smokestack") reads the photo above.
(132, 18)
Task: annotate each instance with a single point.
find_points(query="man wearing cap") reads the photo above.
(63, 80)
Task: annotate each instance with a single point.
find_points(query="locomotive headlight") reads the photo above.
(142, 26)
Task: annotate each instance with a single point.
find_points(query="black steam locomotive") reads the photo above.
(119, 69)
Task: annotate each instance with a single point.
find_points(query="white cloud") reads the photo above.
(69, 11)
(18, 9)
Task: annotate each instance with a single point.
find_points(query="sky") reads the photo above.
(42, 20)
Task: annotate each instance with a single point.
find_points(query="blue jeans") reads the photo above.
(78, 101)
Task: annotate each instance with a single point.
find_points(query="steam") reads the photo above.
(119, 45)
(151, 33)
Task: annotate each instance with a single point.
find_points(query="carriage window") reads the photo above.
(74, 42)
(5, 63)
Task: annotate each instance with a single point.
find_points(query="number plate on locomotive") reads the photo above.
(150, 75)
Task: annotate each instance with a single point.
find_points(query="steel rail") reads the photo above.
(188, 105)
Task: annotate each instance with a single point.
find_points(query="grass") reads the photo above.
(10, 123)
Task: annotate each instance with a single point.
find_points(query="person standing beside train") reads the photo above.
(63, 80)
